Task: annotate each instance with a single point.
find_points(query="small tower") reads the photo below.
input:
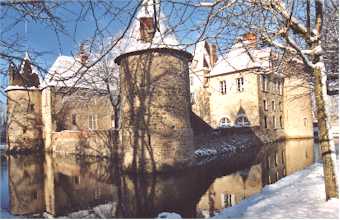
(155, 110)
(23, 108)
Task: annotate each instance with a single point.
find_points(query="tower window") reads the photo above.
(192, 98)
(74, 119)
(147, 30)
(274, 122)
(93, 122)
(240, 82)
(31, 108)
(281, 122)
(273, 105)
(223, 87)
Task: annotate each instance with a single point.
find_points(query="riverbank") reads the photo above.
(300, 195)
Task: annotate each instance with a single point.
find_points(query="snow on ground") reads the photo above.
(171, 215)
(300, 195)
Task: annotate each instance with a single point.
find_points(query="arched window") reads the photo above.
(242, 121)
(225, 123)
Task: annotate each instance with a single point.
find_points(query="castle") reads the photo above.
(70, 112)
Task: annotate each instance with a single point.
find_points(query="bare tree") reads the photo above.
(290, 26)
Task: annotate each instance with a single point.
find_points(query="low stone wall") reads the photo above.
(93, 143)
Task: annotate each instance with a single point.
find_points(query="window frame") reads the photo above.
(223, 87)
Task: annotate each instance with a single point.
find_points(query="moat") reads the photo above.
(33, 185)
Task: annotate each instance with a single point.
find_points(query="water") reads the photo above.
(63, 185)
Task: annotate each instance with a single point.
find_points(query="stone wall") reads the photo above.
(72, 109)
(234, 103)
(94, 143)
(297, 107)
(24, 124)
(155, 109)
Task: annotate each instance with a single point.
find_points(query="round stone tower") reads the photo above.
(24, 109)
(155, 112)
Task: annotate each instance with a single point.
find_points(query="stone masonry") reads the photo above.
(155, 109)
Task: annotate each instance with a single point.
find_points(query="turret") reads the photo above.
(23, 108)
(155, 99)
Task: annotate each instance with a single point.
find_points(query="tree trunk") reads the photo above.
(325, 137)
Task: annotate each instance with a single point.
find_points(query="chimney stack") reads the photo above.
(147, 29)
(213, 54)
(250, 37)
(82, 54)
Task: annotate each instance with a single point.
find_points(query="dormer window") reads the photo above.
(147, 29)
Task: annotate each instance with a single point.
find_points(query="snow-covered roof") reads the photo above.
(242, 56)
(164, 37)
(68, 71)
(27, 58)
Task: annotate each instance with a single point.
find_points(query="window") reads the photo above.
(265, 83)
(223, 87)
(112, 121)
(242, 121)
(76, 180)
(265, 106)
(305, 122)
(240, 83)
(92, 122)
(276, 159)
(228, 200)
(225, 122)
(274, 122)
(281, 122)
(265, 122)
(192, 98)
(281, 87)
(74, 119)
(280, 106)
(273, 105)
(34, 195)
(31, 108)
(277, 89)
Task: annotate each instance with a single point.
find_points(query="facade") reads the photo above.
(246, 88)
(56, 115)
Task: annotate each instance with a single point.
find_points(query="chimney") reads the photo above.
(250, 37)
(82, 54)
(213, 54)
(147, 29)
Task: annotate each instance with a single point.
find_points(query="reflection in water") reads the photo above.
(278, 160)
(61, 185)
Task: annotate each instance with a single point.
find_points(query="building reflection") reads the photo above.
(277, 161)
(25, 178)
(60, 185)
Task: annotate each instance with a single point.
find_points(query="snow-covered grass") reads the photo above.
(300, 195)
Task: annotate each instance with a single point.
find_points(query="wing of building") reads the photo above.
(249, 87)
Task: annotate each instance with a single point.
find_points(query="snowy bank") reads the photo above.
(300, 195)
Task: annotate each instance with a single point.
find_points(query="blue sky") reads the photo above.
(41, 38)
